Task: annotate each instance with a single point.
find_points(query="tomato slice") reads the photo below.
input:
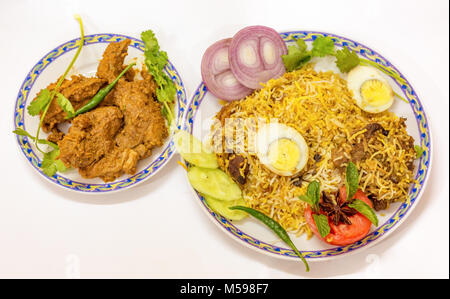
(344, 234)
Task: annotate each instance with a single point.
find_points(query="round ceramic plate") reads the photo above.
(203, 106)
(48, 69)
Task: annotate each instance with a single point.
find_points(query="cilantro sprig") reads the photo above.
(419, 151)
(50, 163)
(322, 46)
(155, 61)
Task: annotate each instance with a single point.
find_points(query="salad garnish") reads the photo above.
(339, 210)
(346, 59)
(155, 61)
(50, 163)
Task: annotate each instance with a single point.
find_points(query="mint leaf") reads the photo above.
(306, 199)
(312, 196)
(322, 224)
(346, 60)
(419, 151)
(313, 192)
(322, 46)
(65, 105)
(364, 209)
(39, 103)
(352, 179)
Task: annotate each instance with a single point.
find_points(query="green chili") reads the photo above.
(102, 93)
(275, 227)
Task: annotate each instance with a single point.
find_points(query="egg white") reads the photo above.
(269, 133)
(356, 78)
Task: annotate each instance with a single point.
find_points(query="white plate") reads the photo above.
(48, 69)
(250, 232)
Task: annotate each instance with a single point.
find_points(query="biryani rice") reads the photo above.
(320, 107)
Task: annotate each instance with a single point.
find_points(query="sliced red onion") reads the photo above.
(255, 55)
(217, 76)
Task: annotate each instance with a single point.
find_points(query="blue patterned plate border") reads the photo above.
(59, 179)
(398, 216)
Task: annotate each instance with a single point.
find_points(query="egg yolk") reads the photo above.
(284, 154)
(376, 93)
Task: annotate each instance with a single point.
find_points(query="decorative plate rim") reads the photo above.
(59, 180)
(414, 194)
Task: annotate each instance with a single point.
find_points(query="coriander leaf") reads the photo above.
(50, 164)
(296, 58)
(419, 151)
(60, 165)
(323, 46)
(352, 179)
(65, 105)
(39, 103)
(155, 61)
(322, 224)
(364, 209)
(301, 44)
(346, 60)
(22, 132)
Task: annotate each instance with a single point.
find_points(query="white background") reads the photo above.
(156, 229)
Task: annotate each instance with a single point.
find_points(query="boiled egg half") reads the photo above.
(371, 90)
(281, 149)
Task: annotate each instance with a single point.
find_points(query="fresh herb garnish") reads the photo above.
(346, 60)
(298, 55)
(364, 209)
(65, 105)
(60, 81)
(156, 60)
(275, 227)
(351, 180)
(419, 151)
(321, 222)
(50, 164)
(337, 210)
(38, 105)
(296, 58)
(312, 196)
(22, 132)
(322, 46)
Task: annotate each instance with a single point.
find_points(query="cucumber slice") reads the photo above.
(222, 207)
(193, 151)
(214, 182)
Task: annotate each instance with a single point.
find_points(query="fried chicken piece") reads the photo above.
(90, 137)
(113, 165)
(79, 90)
(55, 136)
(111, 64)
(144, 123)
(109, 140)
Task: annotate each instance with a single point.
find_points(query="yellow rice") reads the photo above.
(320, 107)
